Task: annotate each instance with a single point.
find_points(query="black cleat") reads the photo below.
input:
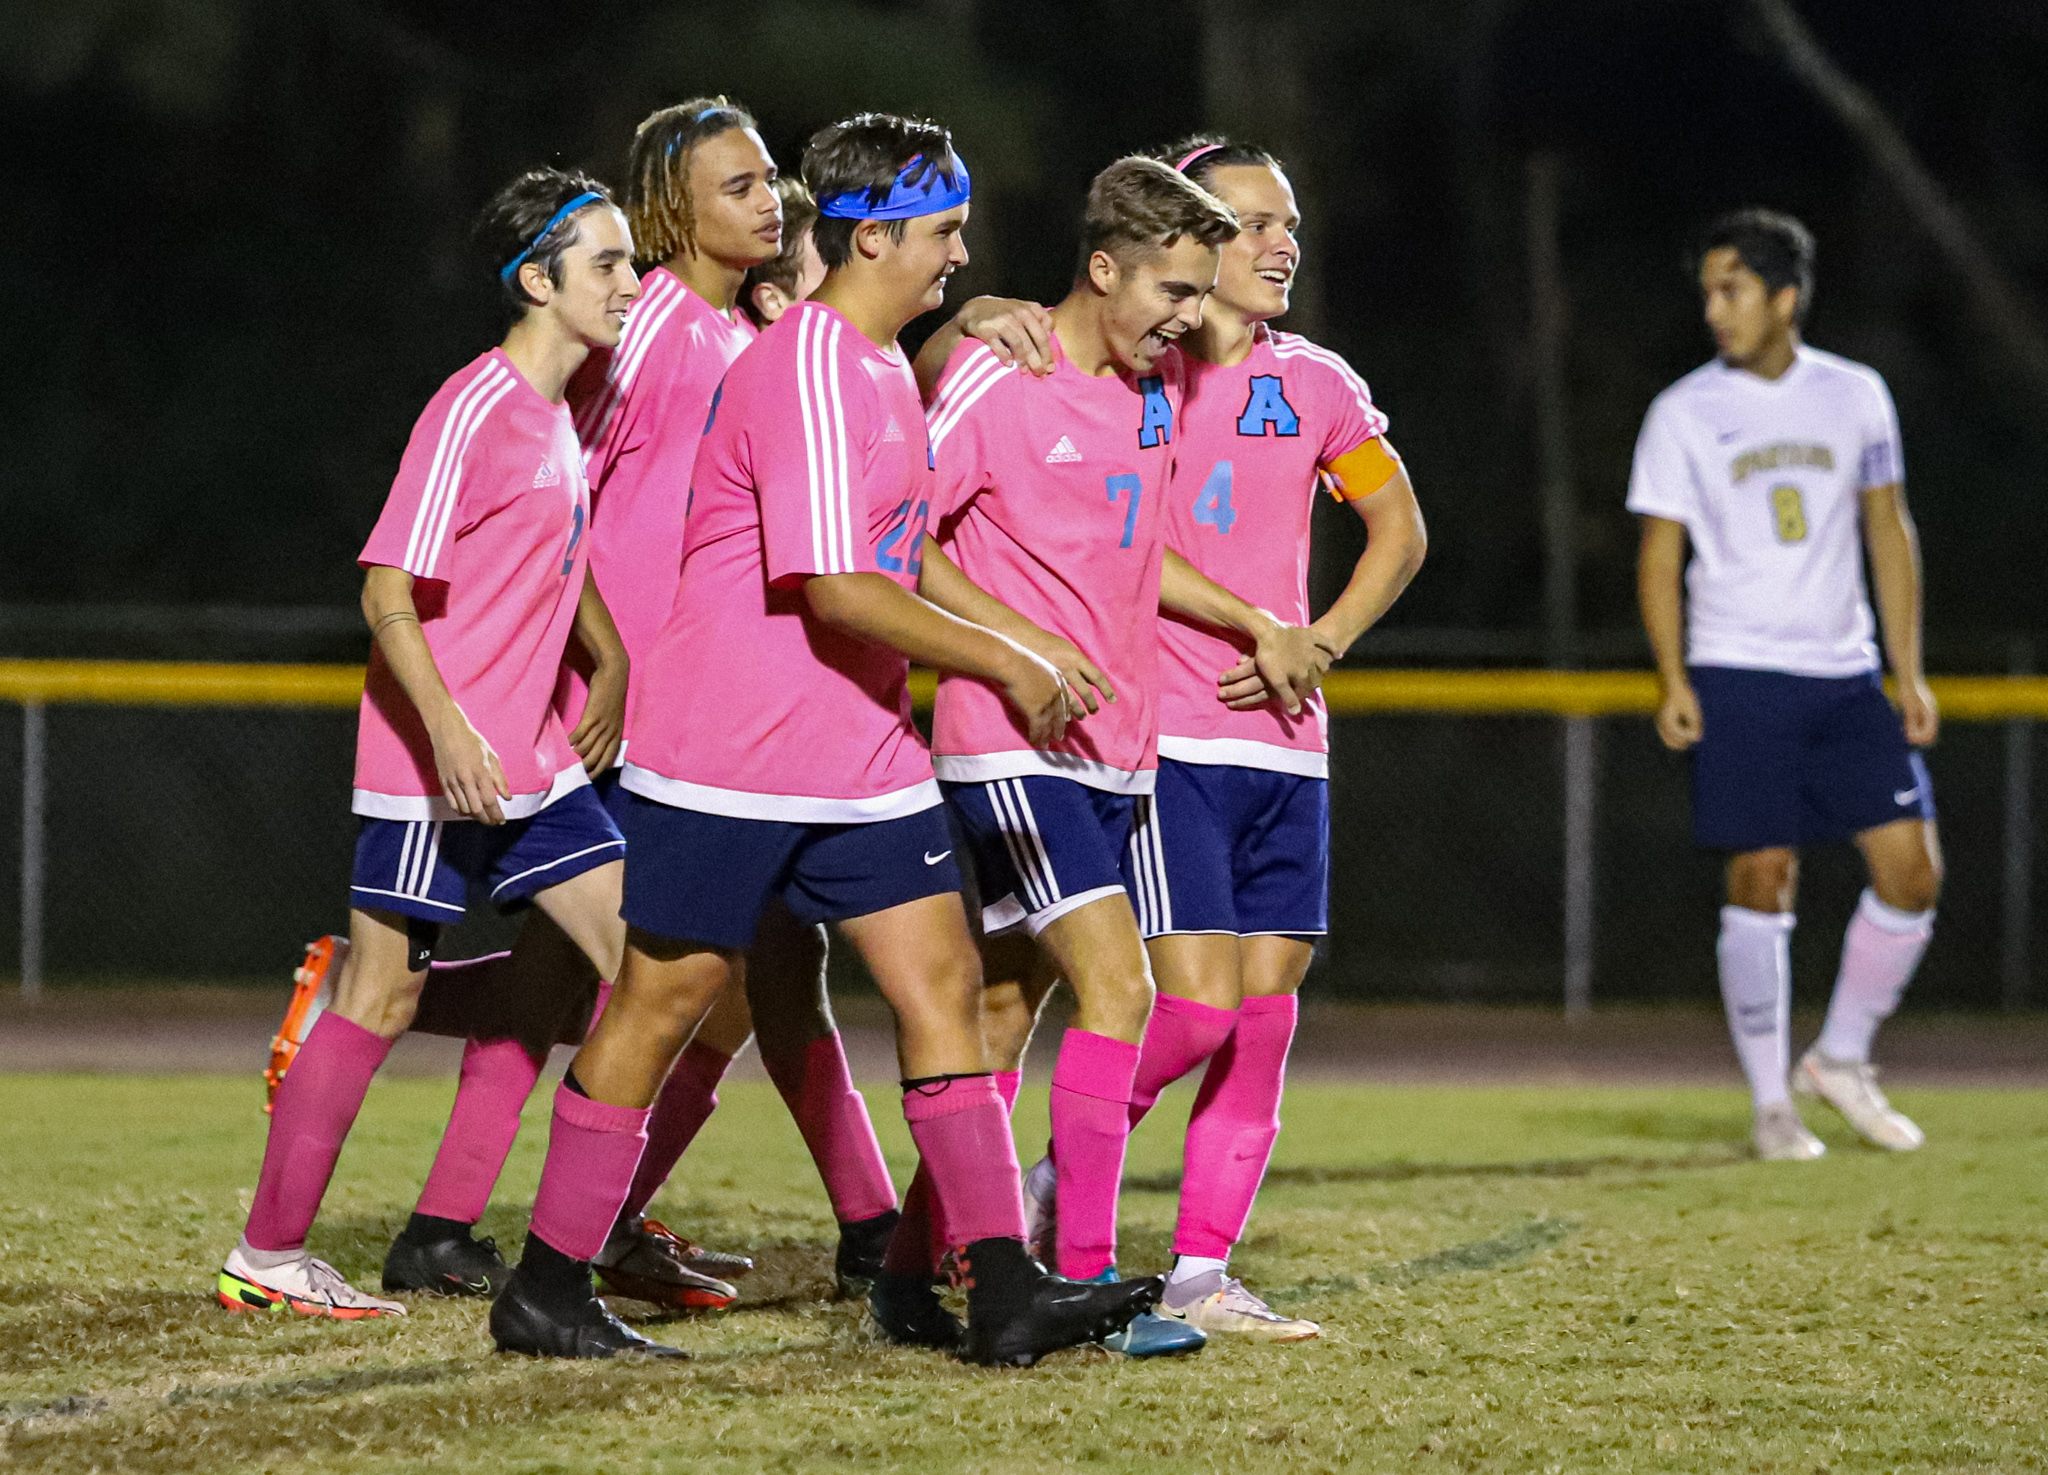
(862, 1244)
(908, 1311)
(519, 1323)
(446, 1267)
(1018, 1311)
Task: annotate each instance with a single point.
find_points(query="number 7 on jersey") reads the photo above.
(1135, 487)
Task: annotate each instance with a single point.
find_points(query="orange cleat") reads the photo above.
(312, 991)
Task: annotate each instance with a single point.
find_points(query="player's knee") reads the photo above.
(1911, 885)
(1764, 880)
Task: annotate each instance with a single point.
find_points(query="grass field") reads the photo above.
(1509, 1279)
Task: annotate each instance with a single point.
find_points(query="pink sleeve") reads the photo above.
(811, 477)
(1350, 413)
(963, 418)
(422, 514)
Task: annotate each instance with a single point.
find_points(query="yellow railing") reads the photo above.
(1561, 693)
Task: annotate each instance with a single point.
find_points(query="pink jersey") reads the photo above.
(487, 515)
(1053, 488)
(1254, 439)
(815, 462)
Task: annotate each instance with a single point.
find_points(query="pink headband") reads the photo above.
(1207, 148)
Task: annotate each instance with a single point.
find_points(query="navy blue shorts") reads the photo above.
(1041, 846)
(425, 867)
(707, 878)
(1219, 848)
(1789, 760)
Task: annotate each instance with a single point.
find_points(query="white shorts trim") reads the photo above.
(795, 809)
(408, 896)
(1245, 753)
(1008, 914)
(560, 860)
(981, 768)
(373, 805)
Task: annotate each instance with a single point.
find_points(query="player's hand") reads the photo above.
(1679, 722)
(1087, 687)
(1039, 692)
(1242, 688)
(1291, 661)
(1919, 713)
(1016, 331)
(471, 775)
(603, 724)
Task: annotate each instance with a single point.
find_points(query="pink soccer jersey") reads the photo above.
(1053, 491)
(1254, 439)
(487, 515)
(815, 462)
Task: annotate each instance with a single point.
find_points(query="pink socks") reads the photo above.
(687, 1099)
(920, 1239)
(316, 1106)
(818, 1089)
(1091, 1124)
(497, 1077)
(1879, 955)
(1180, 1035)
(962, 1133)
(1231, 1134)
(592, 1151)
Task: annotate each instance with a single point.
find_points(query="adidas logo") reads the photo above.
(894, 432)
(1064, 451)
(547, 476)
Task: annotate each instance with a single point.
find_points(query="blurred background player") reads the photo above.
(795, 271)
(780, 762)
(1054, 488)
(1231, 852)
(477, 573)
(1769, 462)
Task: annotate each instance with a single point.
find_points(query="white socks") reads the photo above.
(1188, 1267)
(1755, 954)
(1879, 954)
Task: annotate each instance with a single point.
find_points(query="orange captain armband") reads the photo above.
(1361, 471)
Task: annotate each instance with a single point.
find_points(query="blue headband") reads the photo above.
(921, 189)
(588, 197)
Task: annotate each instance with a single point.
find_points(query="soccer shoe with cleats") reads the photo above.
(1217, 1304)
(1850, 1087)
(447, 1267)
(1018, 1311)
(646, 1261)
(305, 1285)
(1148, 1334)
(908, 1312)
(1780, 1136)
(1041, 1211)
(521, 1323)
(312, 991)
(858, 1260)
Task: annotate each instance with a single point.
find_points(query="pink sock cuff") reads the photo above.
(705, 1060)
(1205, 1015)
(927, 1104)
(1008, 1084)
(362, 1046)
(1288, 1004)
(595, 1116)
(1095, 1065)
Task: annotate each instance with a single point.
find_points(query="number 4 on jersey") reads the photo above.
(1212, 503)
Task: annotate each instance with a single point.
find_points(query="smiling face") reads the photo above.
(1151, 296)
(598, 283)
(1258, 265)
(1748, 320)
(735, 213)
(918, 266)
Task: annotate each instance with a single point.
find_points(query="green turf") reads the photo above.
(1518, 1279)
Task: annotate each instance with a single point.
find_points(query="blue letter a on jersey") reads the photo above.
(1267, 405)
(1157, 426)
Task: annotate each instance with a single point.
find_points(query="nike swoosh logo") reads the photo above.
(1906, 796)
(932, 860)
(474, 1287)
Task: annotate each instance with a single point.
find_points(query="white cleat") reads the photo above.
(305, 1285)
(1041, 1212)
(1850, 1087)
(1219, 1305)
(1781, 1137)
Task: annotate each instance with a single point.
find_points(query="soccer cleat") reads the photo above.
(1148, 1334)
(305, 1285)
(448, 1267)
(1018, 1311)
(862, 1244)
(644, 1260)
(519, 1323)
(1850, 1087)
(1041, 1211)
(312, 991)
(1216, 1303)
(1781, 1137)
(908, 1312)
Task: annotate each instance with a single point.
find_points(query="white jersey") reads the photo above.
(1767, 476)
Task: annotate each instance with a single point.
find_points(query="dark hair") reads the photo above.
(657, 197)
(1217, 152)
(1140, 202)
(868, 152)
(1774, 245)
(516, 214)
(786, 267)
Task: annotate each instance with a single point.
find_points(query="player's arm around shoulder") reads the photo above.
(1017, 332)
(1894, 547)
(1660, 570)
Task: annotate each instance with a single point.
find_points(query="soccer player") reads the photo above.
(796, 270)
(476, 576)
(1055, 486)
(1769, 462)
(779, 761)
